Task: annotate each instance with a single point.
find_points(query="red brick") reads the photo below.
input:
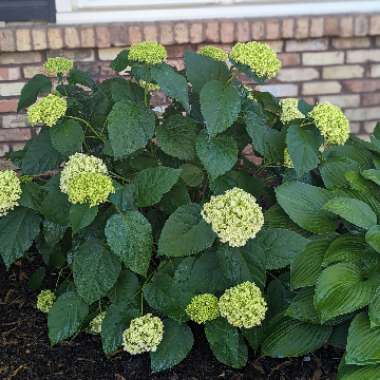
(103, 36)
(4, 149)
(9, 73)
(181, 33)
(347, 26)
(39, 38)
(176, 51)
(243, 31)
(375, 25)
(22, 134)
(55, 38)
(135, 34)
(258, 30)
(302, 27)
(166, 33)
(371, 99)
(212, 31)
(227, 31)
(290, 59)
(150, 32)
(87, 37)
(332, 26)
(272, 29)
(7, 40)
(8, 105)
(196, 32)
(361, 25)
(119, 35)
(317, 26)
(288, 28)
(362, 85)
(23, 40)
(71, 37)
(177, 63)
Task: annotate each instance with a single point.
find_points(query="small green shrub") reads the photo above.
(153, 218)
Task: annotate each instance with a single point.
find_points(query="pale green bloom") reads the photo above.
(144, 334)
(243, 305)
(331, 122)
(45, 300)
(289, 110)
(234, 216)
(288, 163)
(214, 52)
(58, 65)
(151, 53)
(85, 180)
(95, 325)
(260, 58)
(149, 86)
(47, 110)
(10, 191)
(203, 308)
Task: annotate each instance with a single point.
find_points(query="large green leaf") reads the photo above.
(33, 88)
(352, 210)
(303, 144)
(342, 289)
(130, 237)
(176, 197)
(95, 270)
(152, 183)
(201, 69)
(374, 309)
(372, 174)
(81, 77)
(226, 343)
(174, 347)
(218, 154)
(126, 290)
(363, 342)
(56, 207)
(130, 127)
(18, 229)
(67, 137)
(302, 307)
(171, 83)
(372, 237)
(66, 317)
(117, 319)
(185, 233)
(359, 373)
(81, 216)
(177, 135)
(288, 337)
(307, 265)
(303, 203)
(220, 106)
(121, 62)
(333, 171)
(192, 175)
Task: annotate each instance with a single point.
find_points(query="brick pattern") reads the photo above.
(325, 58)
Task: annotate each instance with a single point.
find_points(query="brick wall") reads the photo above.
(327, 58)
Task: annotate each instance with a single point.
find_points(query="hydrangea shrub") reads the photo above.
(157, 218)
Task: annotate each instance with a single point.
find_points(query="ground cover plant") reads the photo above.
(155, 219)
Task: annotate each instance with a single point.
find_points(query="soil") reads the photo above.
(25, 352)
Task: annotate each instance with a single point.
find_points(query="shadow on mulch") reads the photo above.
(25, 352)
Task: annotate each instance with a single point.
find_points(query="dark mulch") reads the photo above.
(25, 353)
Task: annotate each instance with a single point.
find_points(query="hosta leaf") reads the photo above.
(152, 183)
(372, 237)
(67, 137)
(303, 203)
(18, 229)
(374, 309)
(363, 342)
(118, 318)
(130, 127)
(95, 270)
(288, 337)
(66, 316)
(372, 174)
(33, 88)
(218, 154)
(359, 373)
(174, 347)
(177, 135)
(352, 210)
(303, 144)
(226, 343)
(342, 289)
(302, 307)
(185, 233)
(130, 237)
(220, 106)
(81, 216)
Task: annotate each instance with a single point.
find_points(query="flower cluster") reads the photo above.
(288, 163)
(214, 52)
(85, 180)
(10, 191)
(47, 110)
(151, 53)
(203, 308)
(289, 110)
(260, 58)
(234, 216)
(243, 305)
(331, 122)
(45, 300)
(149, 86)
(58, 65)
(144, 334)
(95, 325)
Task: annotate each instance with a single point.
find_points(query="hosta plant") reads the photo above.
(155, 219)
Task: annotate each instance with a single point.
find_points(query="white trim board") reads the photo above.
(69, 13)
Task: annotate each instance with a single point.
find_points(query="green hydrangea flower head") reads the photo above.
(85, 180)
(331, 122)
(213, 52)
(58, 65)
(234, 216)
(144, 334)
(10, 191)
(289, 110)
(45, 300)
(288, 163)
(95, 325)
(151, 53)
(203, 308)
(243, 305)
(47, 110)
(258, 56)
(149, 86)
